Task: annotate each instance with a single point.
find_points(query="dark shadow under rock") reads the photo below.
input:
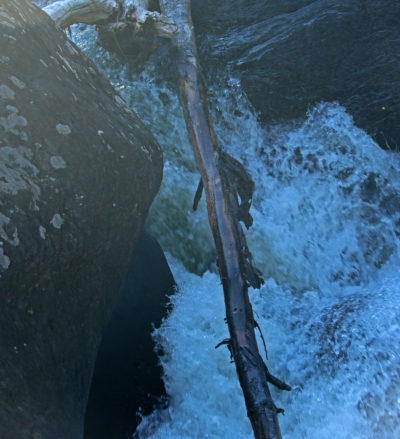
(127, 375)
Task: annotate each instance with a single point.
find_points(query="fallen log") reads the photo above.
(225, 182)
(136, 12)
(68, 12)
(126, 27)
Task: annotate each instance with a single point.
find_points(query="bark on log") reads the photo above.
(224, 212)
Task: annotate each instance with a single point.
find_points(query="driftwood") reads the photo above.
(68, 12)
(225, 182)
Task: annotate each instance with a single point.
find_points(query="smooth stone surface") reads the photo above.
(71, 205)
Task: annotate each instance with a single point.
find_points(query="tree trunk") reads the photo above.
(223, 179)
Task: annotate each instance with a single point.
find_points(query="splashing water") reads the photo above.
(326, 236)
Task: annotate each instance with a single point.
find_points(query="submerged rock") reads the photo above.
(78, 172)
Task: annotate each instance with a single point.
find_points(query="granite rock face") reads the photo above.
(78, 172)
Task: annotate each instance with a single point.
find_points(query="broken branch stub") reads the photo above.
(225, 180)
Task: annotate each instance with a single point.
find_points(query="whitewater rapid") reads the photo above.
(326, 237)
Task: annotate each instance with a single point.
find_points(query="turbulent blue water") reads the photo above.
(326, 217)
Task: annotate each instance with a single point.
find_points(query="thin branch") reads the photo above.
(197, 196)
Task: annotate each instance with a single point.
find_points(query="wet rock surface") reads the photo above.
(78, 172)
(292, 54)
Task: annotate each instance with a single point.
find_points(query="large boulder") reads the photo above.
(290, 55)
(78, 172)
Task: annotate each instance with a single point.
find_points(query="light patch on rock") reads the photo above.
(4, 259)
(9, 25)
(42, 232)
(57, 162)
(71, 48)
(17, 172)
(12, 109)
(68, 65)
(4, 59)
(6, 93)
(10, 37)
(63, 129)
(147, 152)
(57, 221)
(14, 123)
(4, 15)
(13, 239)
(120, 100)
(55, 60)
(17, 82)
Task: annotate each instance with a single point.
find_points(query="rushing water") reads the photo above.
(325, 235)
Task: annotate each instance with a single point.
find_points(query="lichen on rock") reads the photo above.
(63, 246)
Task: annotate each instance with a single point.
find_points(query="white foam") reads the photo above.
(326, 213)
(333, 338)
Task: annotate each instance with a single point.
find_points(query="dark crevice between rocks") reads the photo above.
(127, 375)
